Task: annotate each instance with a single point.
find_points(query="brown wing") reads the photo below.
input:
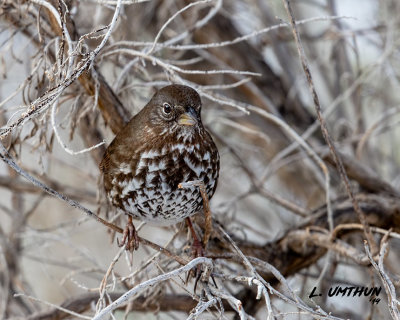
(105, 163)
(122, 150)
(116, 153)
(119, 151)
(105, 166)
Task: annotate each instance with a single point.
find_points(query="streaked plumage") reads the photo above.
(155, 152)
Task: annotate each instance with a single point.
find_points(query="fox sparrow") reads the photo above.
(162, 146)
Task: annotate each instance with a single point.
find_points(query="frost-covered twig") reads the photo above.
(42, 103)
(149, 283)
(62, 144)
(393, 302)
(72, 313)
(7, 159)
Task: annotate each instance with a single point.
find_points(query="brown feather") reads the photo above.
(153, 153)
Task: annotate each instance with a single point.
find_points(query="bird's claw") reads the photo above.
(197, 251)
(130, 237)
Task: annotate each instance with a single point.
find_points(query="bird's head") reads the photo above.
(176, 108)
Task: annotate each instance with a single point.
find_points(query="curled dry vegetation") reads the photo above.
(308, 195)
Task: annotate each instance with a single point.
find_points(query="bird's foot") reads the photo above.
(197, 245)
(198, 273)
(130, 237)
(197, 251)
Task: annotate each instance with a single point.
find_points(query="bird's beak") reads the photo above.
(189, 118)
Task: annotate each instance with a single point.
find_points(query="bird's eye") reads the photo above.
(167, 109)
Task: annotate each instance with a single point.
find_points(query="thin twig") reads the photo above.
(388, 284)
(324, 129)
(206, 208)
(140, 287)
(7, 159)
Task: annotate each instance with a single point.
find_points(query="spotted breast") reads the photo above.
(164, 145)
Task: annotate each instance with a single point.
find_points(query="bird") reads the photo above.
(163, 145)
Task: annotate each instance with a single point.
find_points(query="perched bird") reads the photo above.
(162, 146)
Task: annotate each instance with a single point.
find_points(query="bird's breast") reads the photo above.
(147, 187)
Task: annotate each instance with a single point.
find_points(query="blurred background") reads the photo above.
(280, 196)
